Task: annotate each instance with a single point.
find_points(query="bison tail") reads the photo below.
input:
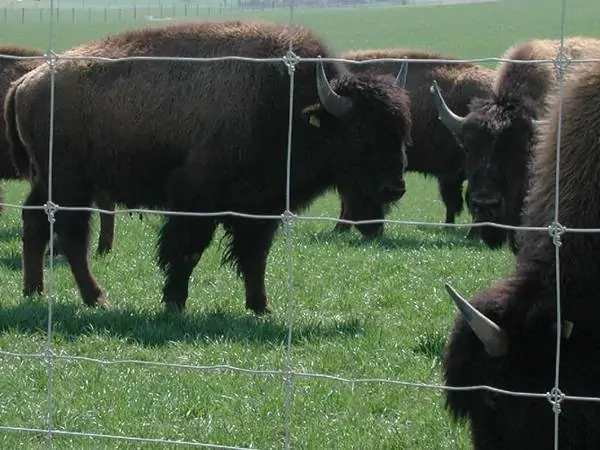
(17, 151)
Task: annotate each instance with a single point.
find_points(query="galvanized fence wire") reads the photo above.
(555, 230)
(556, 395)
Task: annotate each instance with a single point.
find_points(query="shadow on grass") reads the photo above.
(71, 322)
(8, 233)
(14, 262)
(444, 238)
(11, 262)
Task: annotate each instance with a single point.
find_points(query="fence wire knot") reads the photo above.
(49, 356)
(287, 218)
(51, 58)
(50, 209)
(561, 63)
(555, 397)
(290, 60)
(556, 230)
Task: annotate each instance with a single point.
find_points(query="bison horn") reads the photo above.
(402, 74)
(333, 103)
(489, 333)
(453, 121)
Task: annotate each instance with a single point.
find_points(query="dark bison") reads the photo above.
(434, 151)
(506, 337)
(11, 70)
(499, 132)
(204, 137)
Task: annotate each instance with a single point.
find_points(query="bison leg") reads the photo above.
(181, 244)
(73, 230)
(249, 248)
(36, 233)
(107, 223)
(344, 215)
(451, 193)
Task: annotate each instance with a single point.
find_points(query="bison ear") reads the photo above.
(314, 120)
(314, 115)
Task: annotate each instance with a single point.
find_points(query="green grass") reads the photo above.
(374, 310)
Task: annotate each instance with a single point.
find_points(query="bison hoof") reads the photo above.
(103, 251)
(172, 307)
(103, 303)
(260, 311)
(33, 290)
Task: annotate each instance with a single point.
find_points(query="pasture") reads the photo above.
(358, 310)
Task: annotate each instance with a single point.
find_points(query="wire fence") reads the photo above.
(290, 60)
(128, 14)
(161, 12)
(17, 14)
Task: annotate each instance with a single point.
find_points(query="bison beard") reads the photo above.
(203, 137)
(506, 337)
(500, 132)
(433, 151)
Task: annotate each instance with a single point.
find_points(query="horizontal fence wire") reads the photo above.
(54, 56)
(287, 218)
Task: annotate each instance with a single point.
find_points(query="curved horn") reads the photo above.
(333, 103)
(402, 74)
(453, 121)
(491, 335)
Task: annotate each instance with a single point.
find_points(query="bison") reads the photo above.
(499, 132)
(506, 337)
(204, 137)
(10, 70)
(434, 150)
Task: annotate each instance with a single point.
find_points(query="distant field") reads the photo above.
(477, 30)
(374, 310)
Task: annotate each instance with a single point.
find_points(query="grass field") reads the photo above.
(374, 310)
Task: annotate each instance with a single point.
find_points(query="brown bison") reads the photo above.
(433, 151)
(499, 132)
(506, 337)
(11, 70)
(204, 137)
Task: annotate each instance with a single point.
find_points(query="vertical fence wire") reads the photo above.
(50, 209)
(556, 228)
(291, 60)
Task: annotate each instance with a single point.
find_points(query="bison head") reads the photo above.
(506, 340)
(497, 137)
(366, 121)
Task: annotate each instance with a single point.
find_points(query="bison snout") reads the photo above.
(395, 191)
(480, 204)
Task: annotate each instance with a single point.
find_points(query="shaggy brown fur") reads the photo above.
(434, 150)
(500, 132)
(524, 305)
(203, 137)
(11, 70)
